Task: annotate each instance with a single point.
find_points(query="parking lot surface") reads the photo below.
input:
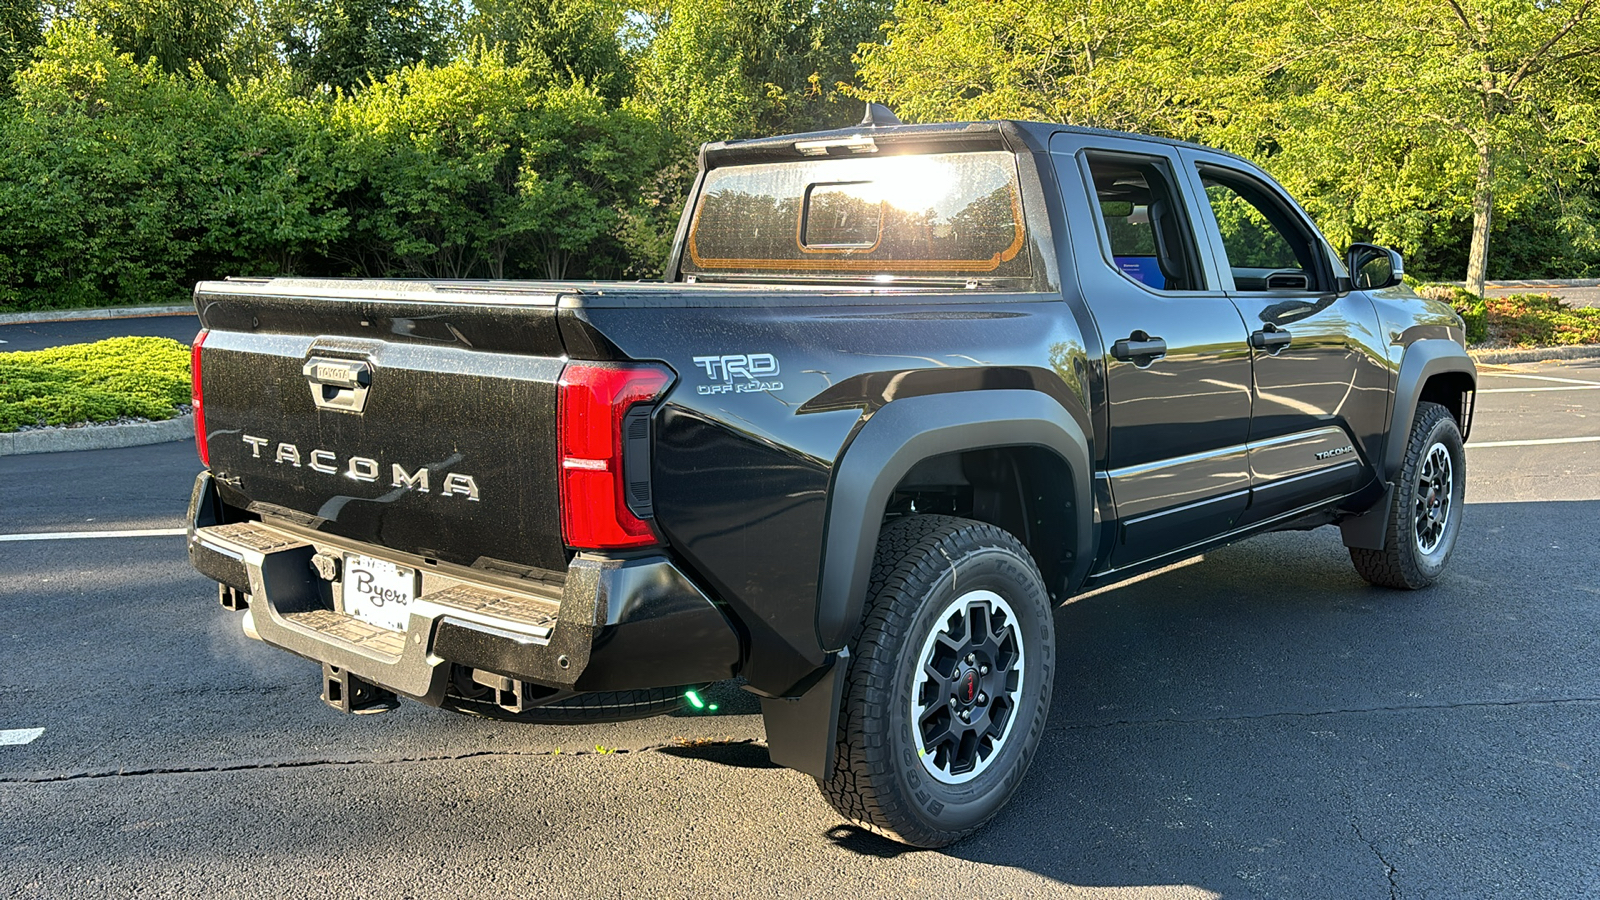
(1256, 723)
(42, 335)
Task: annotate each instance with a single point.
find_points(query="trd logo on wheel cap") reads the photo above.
(969, 686)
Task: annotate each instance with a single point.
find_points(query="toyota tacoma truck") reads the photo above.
(902, 390)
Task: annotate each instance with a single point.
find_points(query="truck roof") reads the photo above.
(1008, 134)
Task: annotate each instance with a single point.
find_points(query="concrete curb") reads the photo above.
(82, 315)
(96, 437)
(1534, 354)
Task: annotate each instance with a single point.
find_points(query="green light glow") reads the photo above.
(712, 707)
(693, 697)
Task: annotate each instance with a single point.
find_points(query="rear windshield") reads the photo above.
(940, 216)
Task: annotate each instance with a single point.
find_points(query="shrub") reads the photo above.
(146, 377)
(1469, 306)
(1530, 320)
(99, 158)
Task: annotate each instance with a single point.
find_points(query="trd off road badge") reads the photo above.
(739, 373)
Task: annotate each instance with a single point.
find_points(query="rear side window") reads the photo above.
(1146, 230)
(941, 216)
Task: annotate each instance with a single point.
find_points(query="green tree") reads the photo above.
(224, 38)
(344, 43)
(270, 201)
(480, 167)
(718, 69)
(558, 40)
(1120, 64)
(99, 171)
(1389, 122)
(1495, 105)
(21, 30)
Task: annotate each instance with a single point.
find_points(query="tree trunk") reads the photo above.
(1482, 213)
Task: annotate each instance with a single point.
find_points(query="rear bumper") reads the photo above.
(612, 624)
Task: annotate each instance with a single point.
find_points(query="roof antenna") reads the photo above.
(878, 114)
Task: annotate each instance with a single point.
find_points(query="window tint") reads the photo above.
(1266, 246)
(1145, 227)
(937, 216)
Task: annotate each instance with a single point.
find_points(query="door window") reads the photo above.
(1268, 248)
(1147, 236)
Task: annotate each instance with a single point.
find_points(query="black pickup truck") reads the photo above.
(903, 390)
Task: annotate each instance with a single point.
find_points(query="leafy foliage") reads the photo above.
(1534, 320)
(145, 144)
(572, 41)
(477, 167)
(144, 377)
(1394, 123)
(21, 30)
(1520, 320)
(345, 43)
(98, 171)
(1469, 306)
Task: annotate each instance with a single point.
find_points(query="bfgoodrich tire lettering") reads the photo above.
(935, 582)
(1425, 514)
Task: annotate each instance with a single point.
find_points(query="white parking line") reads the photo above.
(1539, 378)
(1588, 387)
(85, 535)
(1535, 443)
(16, 737)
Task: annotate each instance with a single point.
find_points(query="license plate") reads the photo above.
(378, 592)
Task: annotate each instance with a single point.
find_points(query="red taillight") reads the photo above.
(592, 408)
(195, 399)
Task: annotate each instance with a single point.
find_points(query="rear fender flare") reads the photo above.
(905, 432)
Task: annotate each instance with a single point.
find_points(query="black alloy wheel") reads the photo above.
(965, 699)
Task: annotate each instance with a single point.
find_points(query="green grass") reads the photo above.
(146, 377)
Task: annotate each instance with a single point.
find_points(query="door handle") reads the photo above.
(338, 384)
(1271, 339)
(1139, 348)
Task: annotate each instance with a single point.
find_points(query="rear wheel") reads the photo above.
(1425, 513)
(949, 685)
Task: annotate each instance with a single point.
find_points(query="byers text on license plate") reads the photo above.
(378, 591)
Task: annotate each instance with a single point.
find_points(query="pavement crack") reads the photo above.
(1322, 713)
(1388, 867)
(269, 764)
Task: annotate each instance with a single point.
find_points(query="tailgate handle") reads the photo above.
(340, 385)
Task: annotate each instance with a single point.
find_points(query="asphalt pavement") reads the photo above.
(181, 326)
(1576, 291)
(1256, 723)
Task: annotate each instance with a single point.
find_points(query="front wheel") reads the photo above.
(946, 695)
(1425, 514)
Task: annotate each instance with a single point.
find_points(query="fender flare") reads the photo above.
(1422, 360)
(902, 434)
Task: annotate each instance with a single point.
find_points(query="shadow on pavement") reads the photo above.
(1264, 722)
(739, 755)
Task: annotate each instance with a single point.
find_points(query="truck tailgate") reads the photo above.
(390, 413)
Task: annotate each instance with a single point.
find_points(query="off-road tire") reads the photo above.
(1403, 562)
(925, 567)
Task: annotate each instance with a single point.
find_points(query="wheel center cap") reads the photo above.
(967, 687)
